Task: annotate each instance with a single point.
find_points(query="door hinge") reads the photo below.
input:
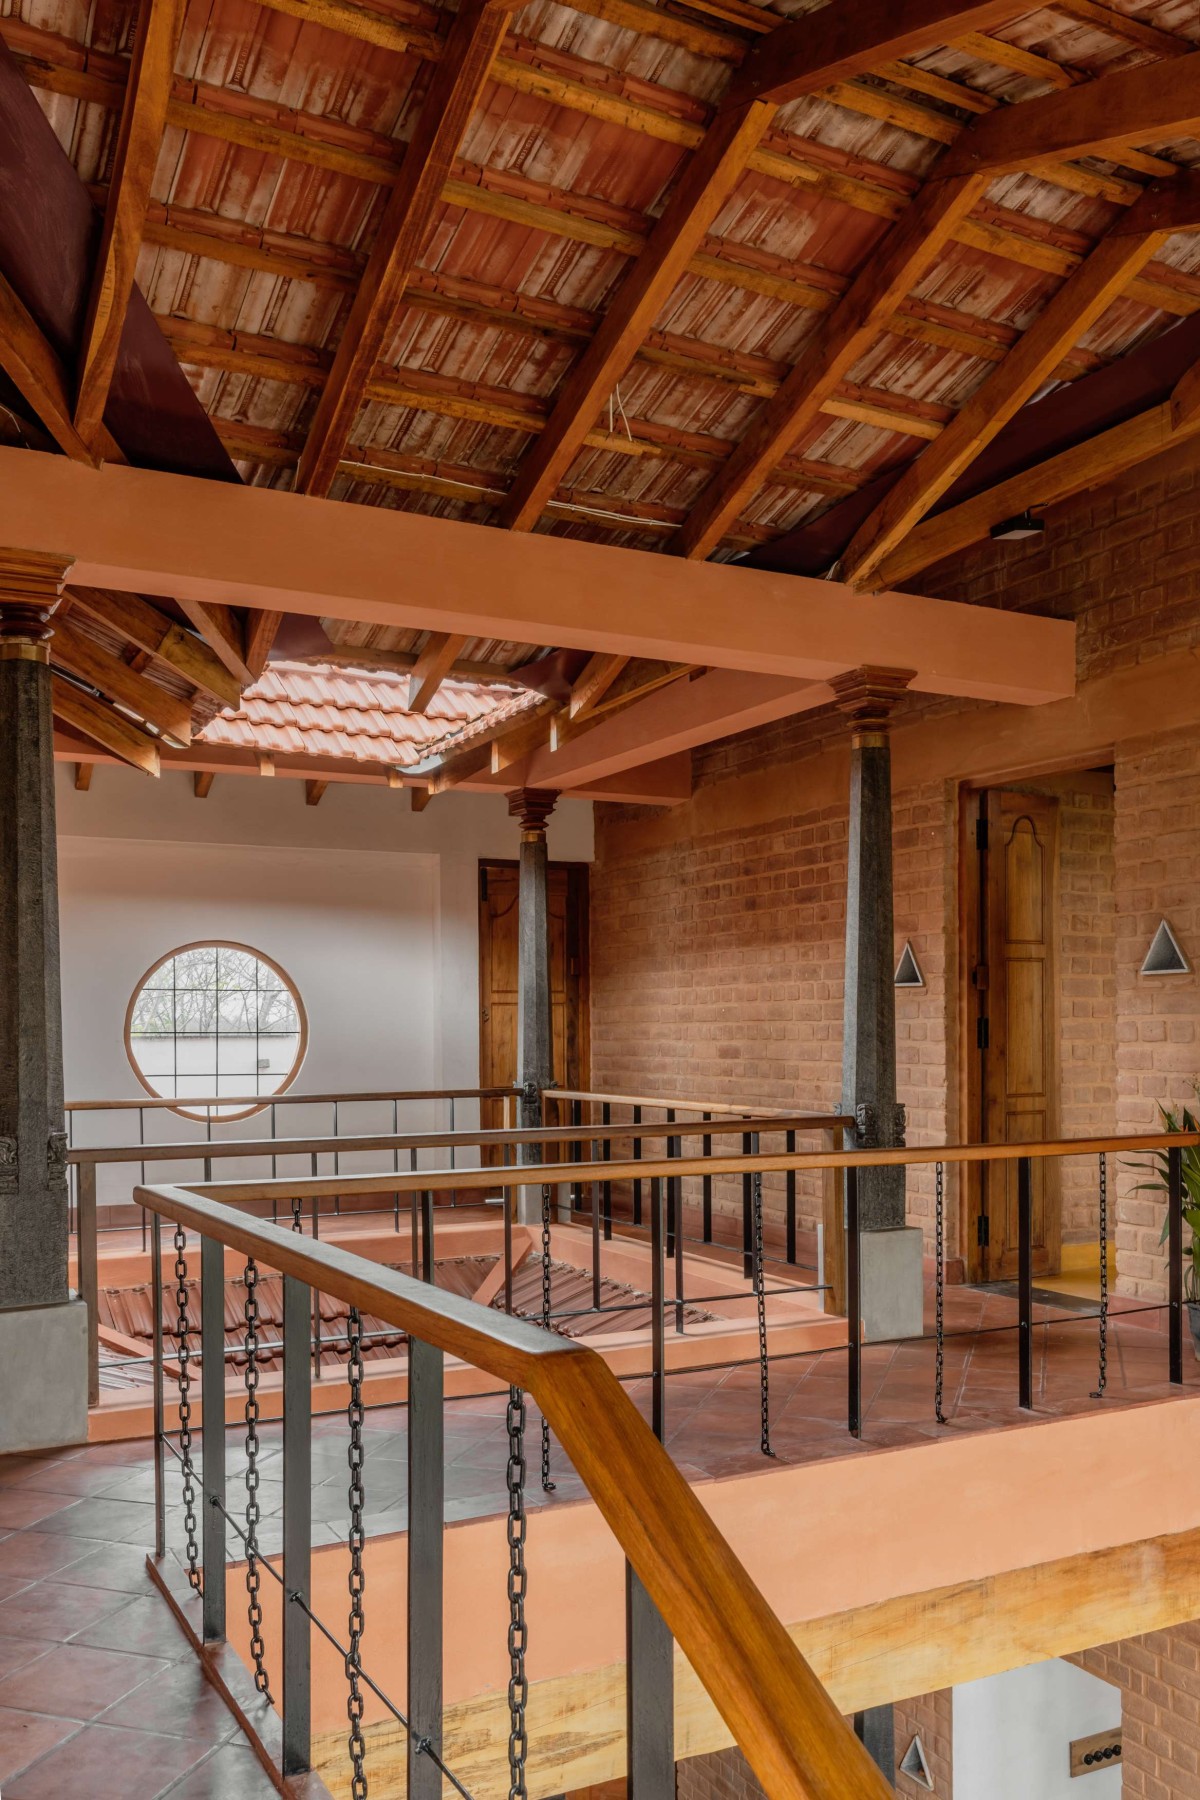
(983, 1234)
(982, 1035)
(981, 834)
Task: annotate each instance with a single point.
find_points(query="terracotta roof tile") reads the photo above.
(314, 709)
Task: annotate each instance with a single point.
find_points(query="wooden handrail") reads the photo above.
(787, 1726)
(198, 1149)
(287, 1098)
(768, 1163)
(717, 1107)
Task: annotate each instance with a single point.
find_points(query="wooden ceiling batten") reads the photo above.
(143, 122)
(1069, 314)
(224, 633)
(120, 683)
(454, 93)
(593, 683)
(104, 726)
(38, 375)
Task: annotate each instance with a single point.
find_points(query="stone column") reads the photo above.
(892, 1253)
(43, 1334)
(535, 1048)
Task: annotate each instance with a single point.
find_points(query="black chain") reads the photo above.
(940, 1289)
(1098, 1392)
(258, 1649)
(547, 1484)
(760, 1295)
(518, 1685)
(357, 1583)
(297, 1221)
(185, 1407)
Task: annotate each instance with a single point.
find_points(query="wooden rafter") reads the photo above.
(115, 679)
(83, 776)
(1068, 315)
(314, 792)
(202, 781)
(93, 719)
(38, 376)
(143, 121)
(403, 662)
(593, 683)
(152, 631)
(454, 93)
(1091, 464)
(1146, 104)
(837, 43)
(477, 756)
(437, 657)
(261, 631)
(225, 635)
(705, 185)
(833, 349)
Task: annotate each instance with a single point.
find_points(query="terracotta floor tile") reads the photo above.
(16, 1653)
(145, 1626)
(178, 1702)
(119, 1566)
(20, 1507)
(30, 1554)
(107, 1762)
(26, 1736)
(75, 1682)
(231, 1773)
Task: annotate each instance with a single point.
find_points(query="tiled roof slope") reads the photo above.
(313, 709)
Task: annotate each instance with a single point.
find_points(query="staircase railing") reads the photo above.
(683, 1580)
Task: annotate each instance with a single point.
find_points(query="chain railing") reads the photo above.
(684, 1582)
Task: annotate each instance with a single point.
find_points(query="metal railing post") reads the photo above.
(426, 1522)
(297, 1527)
(853, 1306)
(427, 1257)
(706, 1189)
(606, 1119)
(637, 1157)
(649, 1651)
(747, 1212)
(1025, 1280)
(789, 1142)
(88, 1271)
(658, 1293)
(160, 1451)
(212, 1433)
(1175, 1259)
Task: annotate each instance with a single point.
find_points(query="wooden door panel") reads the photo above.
(498, 918)
(1014, 1096)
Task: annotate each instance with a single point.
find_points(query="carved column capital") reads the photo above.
(867, 696)
(31, 585)
(533, 807)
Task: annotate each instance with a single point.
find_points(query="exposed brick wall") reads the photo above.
(1158, 876)
(717, 960)
(1159, 1679)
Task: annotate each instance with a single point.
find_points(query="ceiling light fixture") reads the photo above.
(1022, 525)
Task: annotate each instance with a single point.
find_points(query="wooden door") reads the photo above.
(568, 895)
(1014, 1094)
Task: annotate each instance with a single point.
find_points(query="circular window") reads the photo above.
(215, 1019)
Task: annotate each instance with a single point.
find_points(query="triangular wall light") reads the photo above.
(1164, 957)
(913, 1765)
(908, 970)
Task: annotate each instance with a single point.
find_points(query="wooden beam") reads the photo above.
(1146, 104)
(454, 93)
(119, 682)
(1088, 465)
(314, 792)
(224, 634)
(143, 121)
(403, 662)
(839, 43)
(152, 631)
(834, 347)
(261, 631)
(419, 798)
(597, 677)
(202, 782)
(437, 657)
(99, 722)
(516, 742)
(1071, 312)
(701, 191)
(477, 757)
(262, 547)
(83, 776)
(38, 376)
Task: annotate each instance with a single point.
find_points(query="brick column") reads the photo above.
(43, 1340)
(891, 1256)
(535, 1049)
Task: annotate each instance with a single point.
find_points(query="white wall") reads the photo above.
(1012, 1732)
(371, 909)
